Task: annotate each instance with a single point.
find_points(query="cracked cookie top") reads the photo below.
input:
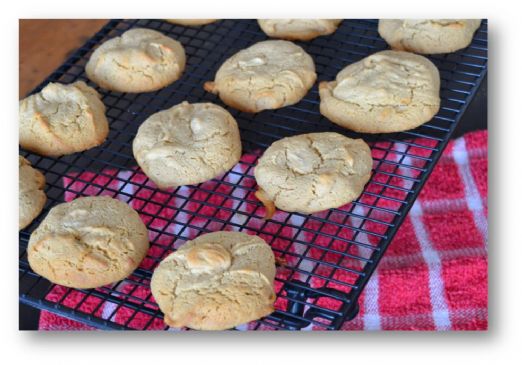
(312, 172)
(88, 242)
(428, 36)
(266, 75)
(140, 60)
(31, 197)
(298, 29)
(187, 144)
(388, 91)
(216, 281)
(62, 119)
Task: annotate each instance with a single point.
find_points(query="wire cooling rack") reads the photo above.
(324, 260)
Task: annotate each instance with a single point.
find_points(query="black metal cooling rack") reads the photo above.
(324, 260)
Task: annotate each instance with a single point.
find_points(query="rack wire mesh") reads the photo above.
(324, 260)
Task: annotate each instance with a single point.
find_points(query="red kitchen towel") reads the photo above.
(433, 276)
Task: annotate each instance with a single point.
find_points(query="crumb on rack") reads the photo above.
(269, 204)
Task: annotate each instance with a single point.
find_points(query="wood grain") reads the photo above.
(45, 43)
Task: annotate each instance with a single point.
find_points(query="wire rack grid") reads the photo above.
(324, 260)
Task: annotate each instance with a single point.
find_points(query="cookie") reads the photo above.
(267, 75)
(216, 281)
(62, 119)
(88, 242)
(428, 36)
(389, 91)
(187, 144)
(31, 197)
(312, 172)
(298, 29)
(191, 22)
(141, 60)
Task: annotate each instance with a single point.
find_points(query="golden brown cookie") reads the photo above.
(266, 75)
(216, 281)
(312, 172)
(62, 119)
(298, 29)
(428, 35)
(191, 22)
(31, 198)
(187, 144)
(88, 242)
(140, 60)
(389, 91)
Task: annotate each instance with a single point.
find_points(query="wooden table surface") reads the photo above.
(45, 43)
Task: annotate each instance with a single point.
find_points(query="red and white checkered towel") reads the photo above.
(432, 277)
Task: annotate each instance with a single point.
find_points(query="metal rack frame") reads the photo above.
(325, 259)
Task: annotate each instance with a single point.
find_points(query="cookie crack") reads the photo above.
(134, 70)
(317, 152)
(437, 22)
